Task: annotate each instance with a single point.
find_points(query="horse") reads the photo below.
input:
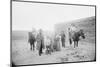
(32, 41)
(75, 37)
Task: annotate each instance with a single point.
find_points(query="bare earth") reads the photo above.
(22, 55)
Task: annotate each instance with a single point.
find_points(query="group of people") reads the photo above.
(42, 42)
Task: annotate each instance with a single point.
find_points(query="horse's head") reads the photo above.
(82, 34)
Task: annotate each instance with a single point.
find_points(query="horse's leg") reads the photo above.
(77, 43)
(74, 44)
(64, 44)
(30, 46)
(50, 49)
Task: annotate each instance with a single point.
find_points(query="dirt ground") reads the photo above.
(21, 54)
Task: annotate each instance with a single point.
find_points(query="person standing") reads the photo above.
(70, 35)
(63, 39)
(58, 42)
(73, 28)
(40, 42)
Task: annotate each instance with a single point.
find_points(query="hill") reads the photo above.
(87, 24)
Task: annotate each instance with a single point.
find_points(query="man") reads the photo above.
(71, 30)
(69, 33)
(63, 39)
(40, 42)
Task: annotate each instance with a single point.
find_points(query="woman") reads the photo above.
(58, 42)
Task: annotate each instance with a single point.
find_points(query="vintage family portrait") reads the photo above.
(50, 33)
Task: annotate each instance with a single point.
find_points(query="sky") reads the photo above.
(26, 16)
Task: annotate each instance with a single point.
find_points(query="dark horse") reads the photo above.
(76, 37)
(31, 40)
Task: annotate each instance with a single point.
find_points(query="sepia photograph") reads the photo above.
(52, 33)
